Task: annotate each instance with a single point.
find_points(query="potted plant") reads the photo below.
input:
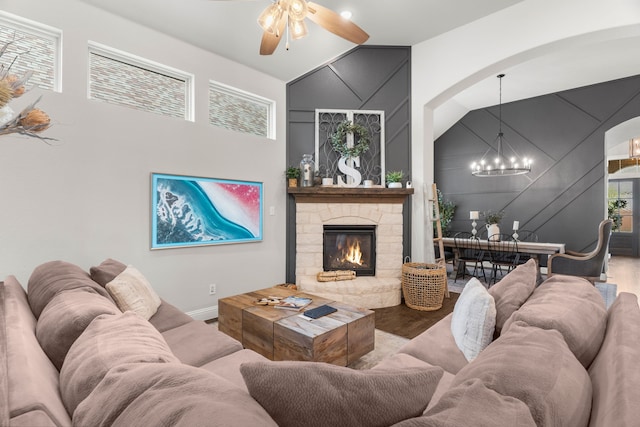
(394, 179)
(492, 220)
(293, 173)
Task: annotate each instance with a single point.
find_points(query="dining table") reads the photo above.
(534, 249)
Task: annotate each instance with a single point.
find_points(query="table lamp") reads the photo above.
(516, 225)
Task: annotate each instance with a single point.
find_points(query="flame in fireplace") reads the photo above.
(353, 253)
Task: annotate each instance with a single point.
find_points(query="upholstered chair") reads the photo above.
(588, 265)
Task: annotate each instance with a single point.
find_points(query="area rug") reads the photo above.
(386, 345)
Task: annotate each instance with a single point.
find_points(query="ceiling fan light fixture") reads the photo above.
(297, 29)
(270, 17)
(297, 9)
(346, 14)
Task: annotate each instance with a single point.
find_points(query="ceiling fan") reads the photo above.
(289, 15)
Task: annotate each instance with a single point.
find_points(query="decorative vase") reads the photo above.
(307, 170)
(395, 185)
(491, 230)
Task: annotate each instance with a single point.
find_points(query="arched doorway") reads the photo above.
(623, 189)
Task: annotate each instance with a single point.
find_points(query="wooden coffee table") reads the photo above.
(338, 338)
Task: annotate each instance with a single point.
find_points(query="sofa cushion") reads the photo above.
(66, 317)
(132, 291)
(110, 340)
(572, 306)
(473, 404)
(228, 367)
(32, 379)
(197, 343)
(437, 347)
(535, 366)
(319, 394)
(168, 394)
(474, 319)
(513, 290)
(106, 271)
(614, 372)
(56, 276)
(168, 317)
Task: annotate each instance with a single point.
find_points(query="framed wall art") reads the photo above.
(195, 211)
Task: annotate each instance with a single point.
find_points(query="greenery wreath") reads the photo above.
(360, 134)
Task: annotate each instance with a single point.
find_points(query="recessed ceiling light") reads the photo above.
(345, 14)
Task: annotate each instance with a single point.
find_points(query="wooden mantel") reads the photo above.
(349, 195)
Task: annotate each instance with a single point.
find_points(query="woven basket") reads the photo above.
(423, 285)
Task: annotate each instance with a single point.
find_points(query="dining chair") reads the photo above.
(473, 254)
(588, 265)
(503, 255)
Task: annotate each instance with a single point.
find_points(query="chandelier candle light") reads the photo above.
(500, 166)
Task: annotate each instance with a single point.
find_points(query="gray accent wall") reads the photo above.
(562, 199)
(365, 78)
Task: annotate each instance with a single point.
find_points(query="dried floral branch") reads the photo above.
(30, 121)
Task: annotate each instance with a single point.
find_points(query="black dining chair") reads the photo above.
(468, 252)
(503, 255)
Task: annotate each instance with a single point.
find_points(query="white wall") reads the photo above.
(87, 196)
(462, 57)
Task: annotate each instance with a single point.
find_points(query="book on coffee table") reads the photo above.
(293, 303)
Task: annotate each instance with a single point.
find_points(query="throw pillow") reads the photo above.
(132, 291)
(513, 290)
(66, 317)
(109, 341)
(535, 366)
(168, 394)
(571, 306)
(319, 394)
(474, 319)
(106, 271)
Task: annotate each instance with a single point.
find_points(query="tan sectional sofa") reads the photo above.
(70, 356)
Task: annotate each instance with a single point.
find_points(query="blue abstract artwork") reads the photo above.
(194, 211)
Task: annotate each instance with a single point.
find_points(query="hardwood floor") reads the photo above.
(625, 272)
(409, 323)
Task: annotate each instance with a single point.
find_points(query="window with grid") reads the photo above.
(620, 205)
(31, 47)
(240, 111)
(127, 80)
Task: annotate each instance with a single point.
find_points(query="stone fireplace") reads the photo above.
(379, 208)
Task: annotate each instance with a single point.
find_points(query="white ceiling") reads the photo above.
(229, 28)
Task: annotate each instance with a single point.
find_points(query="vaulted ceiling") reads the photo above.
(229, 28)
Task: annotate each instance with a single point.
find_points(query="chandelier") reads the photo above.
(494, 162)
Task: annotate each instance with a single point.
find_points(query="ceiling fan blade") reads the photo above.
(270, 41)
(335, 23)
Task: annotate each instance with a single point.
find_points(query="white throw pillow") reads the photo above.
(474, 319)
(132, 292)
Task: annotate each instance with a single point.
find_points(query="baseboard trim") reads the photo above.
(206, 313)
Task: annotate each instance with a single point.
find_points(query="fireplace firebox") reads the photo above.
(350, 247)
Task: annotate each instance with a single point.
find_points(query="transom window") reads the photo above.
(240, 111)
(33, 47)
(124, 79)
